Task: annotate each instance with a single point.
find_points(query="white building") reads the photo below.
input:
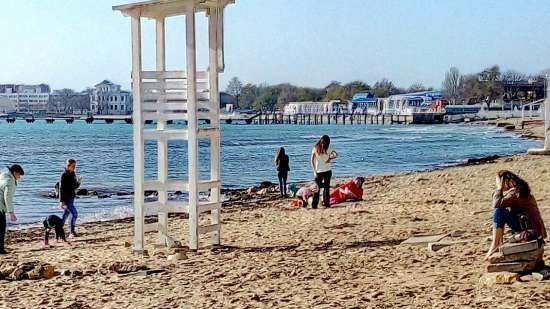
(108, 99)
(331, 107)
(409, 103)
(27, 98)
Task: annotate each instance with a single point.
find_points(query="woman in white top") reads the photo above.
(321, 158)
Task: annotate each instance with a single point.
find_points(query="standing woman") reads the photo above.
(8, 183)
(281, 160)
(321, 158)
(67, 187)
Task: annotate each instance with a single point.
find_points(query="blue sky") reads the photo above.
(78, 43)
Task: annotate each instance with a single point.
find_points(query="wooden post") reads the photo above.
(215, 142)
(192, 128)
(162, 144)
(138, 135)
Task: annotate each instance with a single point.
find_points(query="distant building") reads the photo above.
(408, 103)
(331, 107)
(31, 99)
(365, 102)
(107, 99)
(7, 106)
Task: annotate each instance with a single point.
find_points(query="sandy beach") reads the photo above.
(278, 257)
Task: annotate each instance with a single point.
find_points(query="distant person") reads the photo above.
(67, 187)
(8, 184)
(515, 206)
(351, 190)
(281, 161)
(55, 223)
(321, 157)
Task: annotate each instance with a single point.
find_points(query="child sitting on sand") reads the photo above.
(304, 193)
(53, 222)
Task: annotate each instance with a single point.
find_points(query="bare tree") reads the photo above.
(234, 88)
(452, 84)
(512, 76)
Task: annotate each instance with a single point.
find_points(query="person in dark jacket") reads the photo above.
(55, 223)
(67, 187)
(283, 167)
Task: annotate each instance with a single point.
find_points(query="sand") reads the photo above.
(277, 257)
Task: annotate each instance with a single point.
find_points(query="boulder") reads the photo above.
(82, 192)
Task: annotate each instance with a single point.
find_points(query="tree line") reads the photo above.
(488, 85)
(270, 97)
(491, 85)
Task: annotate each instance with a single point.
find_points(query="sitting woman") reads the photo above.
(349, 191)
(515, 206)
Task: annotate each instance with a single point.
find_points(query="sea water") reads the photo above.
(104, 153)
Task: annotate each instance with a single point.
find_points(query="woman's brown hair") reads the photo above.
(513, 180)
(322, 145)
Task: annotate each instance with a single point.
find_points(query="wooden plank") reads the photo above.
(534, 255)
(510, 248)
(139, 152)
(436, 246)
(201, 75)
(514, 267)
(424, 239)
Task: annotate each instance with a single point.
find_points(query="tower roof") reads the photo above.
(162, 8)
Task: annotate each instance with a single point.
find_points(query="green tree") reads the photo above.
(267, 99)
(383, 88)
(335, 92)
(248, 96)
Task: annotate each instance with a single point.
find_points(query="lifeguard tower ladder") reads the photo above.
(164, 97)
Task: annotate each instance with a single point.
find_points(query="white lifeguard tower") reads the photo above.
(546, 106)
(185, 96)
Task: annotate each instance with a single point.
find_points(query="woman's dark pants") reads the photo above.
(282, 182)
(323, 181)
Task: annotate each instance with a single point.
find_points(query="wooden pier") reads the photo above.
(261, 119)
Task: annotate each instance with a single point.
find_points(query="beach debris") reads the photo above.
(144, 272)
(127, 244)
(424, 239)
(124, 267)
(503, 277)
(436, 246)
(543, 274)
(177, 256)
(33, 270)
(477, 161)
